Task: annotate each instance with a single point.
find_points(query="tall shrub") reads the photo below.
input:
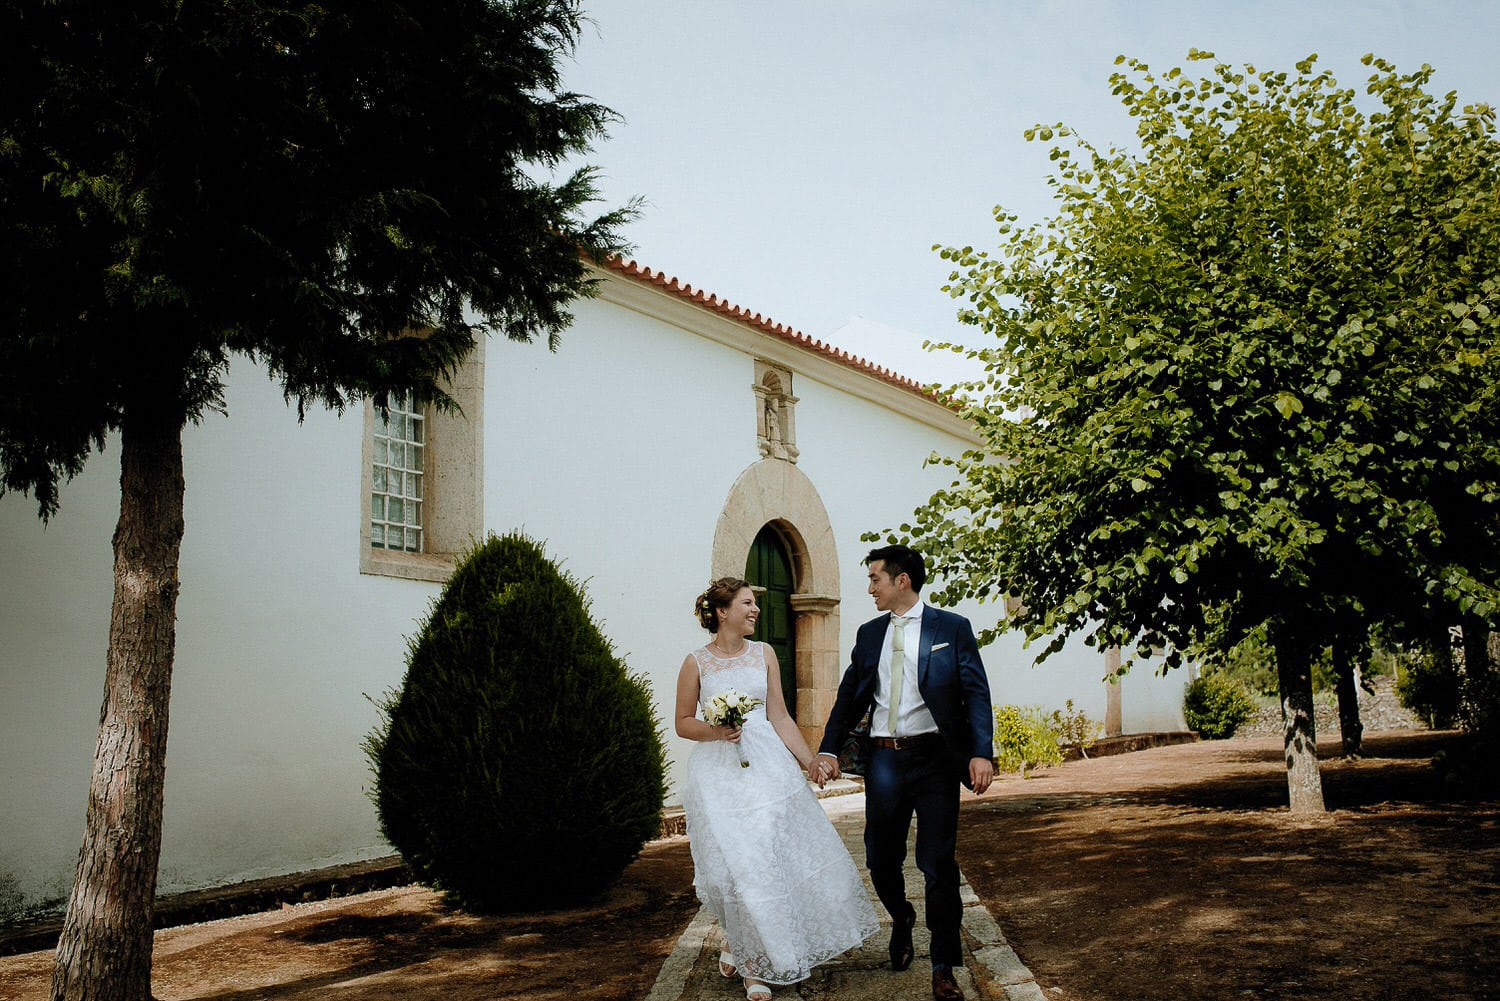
(520, 764)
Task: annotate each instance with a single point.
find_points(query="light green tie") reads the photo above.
(898, 667)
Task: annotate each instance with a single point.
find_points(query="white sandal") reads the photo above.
(757, 992)
(727, 965)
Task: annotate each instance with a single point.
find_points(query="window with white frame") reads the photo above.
(423, 496)
(396, 477)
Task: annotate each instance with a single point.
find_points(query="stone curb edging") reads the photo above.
(672, 979)
(995, 964)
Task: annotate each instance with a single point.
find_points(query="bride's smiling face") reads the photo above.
(738, 619)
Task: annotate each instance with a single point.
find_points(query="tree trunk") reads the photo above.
(1445, 716)
(104, 953)
(1491, 721)
(1351, 729)
(1480, 694)
(1304, 784)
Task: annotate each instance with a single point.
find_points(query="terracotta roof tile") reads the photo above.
(646, 276)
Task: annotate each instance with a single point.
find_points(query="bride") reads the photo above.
(768, 863)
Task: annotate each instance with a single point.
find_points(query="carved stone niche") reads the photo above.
(775, 412)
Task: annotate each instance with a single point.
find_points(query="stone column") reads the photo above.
(818, 664)
(1114, 724)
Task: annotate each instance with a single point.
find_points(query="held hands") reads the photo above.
(981, 774)
(822, 769)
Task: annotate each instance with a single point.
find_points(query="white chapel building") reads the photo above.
(313, 551)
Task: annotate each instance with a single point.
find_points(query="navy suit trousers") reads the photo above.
(897, 785)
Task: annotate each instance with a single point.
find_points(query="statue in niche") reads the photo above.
(773, 428)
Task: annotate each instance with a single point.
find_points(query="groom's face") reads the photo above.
(888, 594)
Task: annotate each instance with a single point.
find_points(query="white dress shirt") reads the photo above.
(913, 717)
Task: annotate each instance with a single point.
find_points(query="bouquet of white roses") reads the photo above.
(729, 708)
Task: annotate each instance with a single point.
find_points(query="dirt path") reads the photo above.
(1165, 874)
(404, 945)
(1175, 873)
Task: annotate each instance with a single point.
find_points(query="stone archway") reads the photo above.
(775, 492)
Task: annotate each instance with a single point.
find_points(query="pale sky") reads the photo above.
(801, 157)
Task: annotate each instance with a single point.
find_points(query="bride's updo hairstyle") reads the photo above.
(719, 594)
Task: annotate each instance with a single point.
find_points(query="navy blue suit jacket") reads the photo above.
(950, 677)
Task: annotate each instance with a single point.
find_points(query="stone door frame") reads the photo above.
(778, 493)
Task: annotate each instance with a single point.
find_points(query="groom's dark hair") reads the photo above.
(900, 560)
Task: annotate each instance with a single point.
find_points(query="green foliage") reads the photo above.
(1247, 376)
(1074, 728)
(1215, 706)
(1024, 738)
(1429, 687)
(520, 765)
(293, 181)
(1252, 662)
(1463, 690)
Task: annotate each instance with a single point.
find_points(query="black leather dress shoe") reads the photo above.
(944, 987)
(901, 950)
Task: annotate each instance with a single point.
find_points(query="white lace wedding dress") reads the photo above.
(768, 863)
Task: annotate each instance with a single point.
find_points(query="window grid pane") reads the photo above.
(396, 479)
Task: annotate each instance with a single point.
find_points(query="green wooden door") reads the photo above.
(770, 567)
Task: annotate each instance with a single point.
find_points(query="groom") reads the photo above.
(916, 670)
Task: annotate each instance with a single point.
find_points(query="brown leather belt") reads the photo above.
(918, 742)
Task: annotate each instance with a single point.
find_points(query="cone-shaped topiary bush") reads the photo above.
(520, 765)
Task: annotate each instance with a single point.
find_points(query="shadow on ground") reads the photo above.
(1174, 873)
(405, 944)
(1182, 875)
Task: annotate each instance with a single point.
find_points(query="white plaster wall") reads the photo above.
(844, 441)
(279, 640)
(54, 627)
(1150, 701)
(618, 452)
(639, 430)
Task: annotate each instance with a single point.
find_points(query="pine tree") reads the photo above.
(296, 182)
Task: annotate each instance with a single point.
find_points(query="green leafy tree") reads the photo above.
(520, 765)
(296, 182)
(1246, 377)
